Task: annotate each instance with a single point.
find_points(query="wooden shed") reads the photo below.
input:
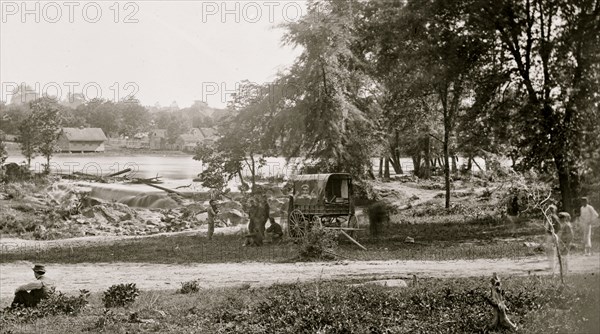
(81, 140)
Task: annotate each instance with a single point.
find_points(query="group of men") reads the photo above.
(560, 231)
(259, 214)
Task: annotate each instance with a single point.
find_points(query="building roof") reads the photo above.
(209, 133)
(84, 134)
(161, 133)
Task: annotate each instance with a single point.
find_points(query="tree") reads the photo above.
(46, 122)
(27, 141)
(243, 139)
(134, 117)
(424, 55)
(324, 112)
(3, 153)
(551, 50)
(99, 113)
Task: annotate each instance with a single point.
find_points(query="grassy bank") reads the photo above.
(451, 239)
(536, 305)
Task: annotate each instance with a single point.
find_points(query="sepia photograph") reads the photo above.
(299, 166)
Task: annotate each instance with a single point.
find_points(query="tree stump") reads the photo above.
(497, 301)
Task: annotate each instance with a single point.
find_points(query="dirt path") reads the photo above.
(98, 277)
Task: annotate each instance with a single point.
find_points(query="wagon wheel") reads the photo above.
(353, 223)
(296, 224)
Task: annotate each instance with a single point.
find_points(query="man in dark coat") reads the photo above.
(30, 294)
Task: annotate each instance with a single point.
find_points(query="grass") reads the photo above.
(451, 239)
(536, 304)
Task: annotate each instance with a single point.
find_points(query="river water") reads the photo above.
(175, 170)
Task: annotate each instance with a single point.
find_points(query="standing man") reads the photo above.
(552, 230)
(587, 216)
(30, 294)
(212, 212)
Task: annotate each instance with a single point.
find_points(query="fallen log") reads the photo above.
(126, 170)
(497, 301)
(89, 176)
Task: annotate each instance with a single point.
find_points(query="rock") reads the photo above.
(235, 205)
(201, 217)
(88, 212)
(234, 216)
(390, 283)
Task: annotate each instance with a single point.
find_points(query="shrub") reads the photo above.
(189, 287)
(56, 303)
(120, 295)
(317, 244)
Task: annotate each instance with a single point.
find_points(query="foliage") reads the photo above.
(57, 303)
(3, 153)
(120, 295)
(548, 52)
(244, 138)
(46, 124)
(433, 306)
(189, 287)
(316, 244)
(323, 111)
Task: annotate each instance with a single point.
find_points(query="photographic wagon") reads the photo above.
(323, 200)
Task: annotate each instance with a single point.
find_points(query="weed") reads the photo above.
(120, 295)
(189, 287)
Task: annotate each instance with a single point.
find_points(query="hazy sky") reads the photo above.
(163, 51)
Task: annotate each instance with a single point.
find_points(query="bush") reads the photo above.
(120, 295)
(56, 303)
(189, 287)
(317, 244)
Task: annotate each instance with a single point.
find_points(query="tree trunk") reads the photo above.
(469, 164)
(564, 180)
(454, 161)
(396, 164)
(497, 301)
(380, 167)
(427, 151)
(386, 170)
(417, 165)
(447, 162)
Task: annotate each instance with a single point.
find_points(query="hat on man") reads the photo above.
(38, 268)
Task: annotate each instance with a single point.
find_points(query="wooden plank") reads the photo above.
(352, 239)
(344, 228)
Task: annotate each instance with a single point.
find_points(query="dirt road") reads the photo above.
(98, 277)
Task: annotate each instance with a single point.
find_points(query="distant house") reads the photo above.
(81, 140)
(158, 139)
(188, 141)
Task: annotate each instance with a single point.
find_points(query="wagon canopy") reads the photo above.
(317, 189)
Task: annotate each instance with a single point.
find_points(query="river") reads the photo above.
(175, 169)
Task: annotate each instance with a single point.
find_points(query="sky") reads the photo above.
(158, 51)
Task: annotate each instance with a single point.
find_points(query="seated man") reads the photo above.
(274, 231)
(38, 290)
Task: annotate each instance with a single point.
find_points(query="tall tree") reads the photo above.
(46, 122)
(552, 52)
(325, 116)
(424, 55)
